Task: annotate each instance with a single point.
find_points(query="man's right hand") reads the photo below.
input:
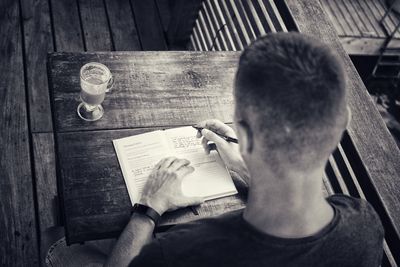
(228, 151)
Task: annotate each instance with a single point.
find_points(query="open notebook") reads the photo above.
(138, 154)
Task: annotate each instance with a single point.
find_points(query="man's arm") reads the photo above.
(229, 152)
(162, 192)
(135, 236)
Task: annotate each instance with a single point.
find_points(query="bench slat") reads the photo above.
(18, 234)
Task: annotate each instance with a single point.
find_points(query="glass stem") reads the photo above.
(89, 108)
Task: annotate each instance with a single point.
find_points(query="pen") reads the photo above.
(226, 138)
(193, 209)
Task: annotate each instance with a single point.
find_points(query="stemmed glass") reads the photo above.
(95, 79)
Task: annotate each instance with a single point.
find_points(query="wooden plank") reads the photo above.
(368, 133)
(197, 40)
(221, 20)
(347, 170)
(348, 17)
(271, 26)
(95, 197)
(46, 182)
(95, 25)
(239, 23)
(358, 19)
(389, 22)
(231, 25)
(358, 12)
(164, 8)
(337, 176)
(327, 186)
(123, 27)
(247, 17)
(365, 46)
(38, 42)
(183, 16)
(363, 7)
(201, 34)
(148, 25)
(66, 24)
(205, 31)
(148, 86)
(258, 27)
(18, 238)
(27, 9)
(212, 27)
(192, 44)
(332, 17)
(378, 10)
(275, 15)
(343, 18)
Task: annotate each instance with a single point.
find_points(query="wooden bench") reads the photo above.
(366, 164)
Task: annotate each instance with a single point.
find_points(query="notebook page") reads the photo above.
(137, 155)
(210, 179)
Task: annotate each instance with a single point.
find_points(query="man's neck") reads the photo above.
(292, 206)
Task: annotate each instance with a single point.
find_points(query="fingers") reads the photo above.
(179, 163)
(183, 171)
(204, 143)
(158, 165)
(166, 162)
(217, 126)
(211, 136)
(194, 201)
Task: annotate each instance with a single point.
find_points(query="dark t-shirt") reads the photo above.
(353, 238)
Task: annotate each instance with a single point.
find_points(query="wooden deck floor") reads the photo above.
(27, 158)
(27, 166)
(357, 24)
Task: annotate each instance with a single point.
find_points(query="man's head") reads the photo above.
(290, 101)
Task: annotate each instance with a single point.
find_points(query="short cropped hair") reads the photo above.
(290, 89)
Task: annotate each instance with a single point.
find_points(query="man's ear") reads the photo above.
(348, 116)
(246, 137)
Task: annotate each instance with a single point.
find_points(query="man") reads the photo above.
(290, 114)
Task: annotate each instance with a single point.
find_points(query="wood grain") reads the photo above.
(95, 198)
(365, 46)
(151, 88)
(375, 146)
(357, 18)
(38, 42)
(183, 16)
(148, 24)
(18, 239)
(164, 8)
(95, 26)
(27, 9)
(67, 27)
(46, 179)
(122, 23)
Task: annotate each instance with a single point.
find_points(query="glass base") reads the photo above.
(93, 114)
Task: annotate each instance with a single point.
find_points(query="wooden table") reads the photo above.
(152, 90)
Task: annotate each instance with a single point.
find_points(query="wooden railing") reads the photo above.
(366, 163)
(232, 25)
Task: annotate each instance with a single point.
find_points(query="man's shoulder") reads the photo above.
(356, 212)
(352, 205)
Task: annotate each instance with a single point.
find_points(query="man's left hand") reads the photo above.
(163, 189)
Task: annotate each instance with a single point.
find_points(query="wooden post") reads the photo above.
(183, 16)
